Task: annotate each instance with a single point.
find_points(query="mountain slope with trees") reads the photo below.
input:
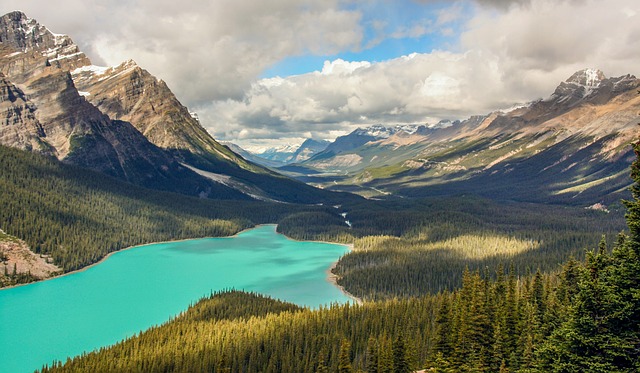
(120, 121)
(77, 216)
(570, 148)
(581, 319)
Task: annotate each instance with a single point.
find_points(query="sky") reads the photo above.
(269, 73)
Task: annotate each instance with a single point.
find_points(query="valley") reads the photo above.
(499, 242)
(560, 149)
(169, 277)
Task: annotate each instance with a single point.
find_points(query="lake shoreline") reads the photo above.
(333, 280)
(140, 289)
(331, 277)
(121, 250)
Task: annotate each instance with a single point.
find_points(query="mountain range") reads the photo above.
(280, 156)
(571, 147)
(120, 120)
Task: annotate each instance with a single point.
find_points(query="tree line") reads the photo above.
(583, 318)
(78, 216)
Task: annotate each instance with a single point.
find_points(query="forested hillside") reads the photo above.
(409, 248)
(78, 216)
(584, 319)
(402, 248)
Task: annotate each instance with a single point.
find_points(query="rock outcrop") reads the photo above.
(121, 121)
(41, 110)
(129, 93)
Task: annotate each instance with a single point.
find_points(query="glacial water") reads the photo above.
(135, 289)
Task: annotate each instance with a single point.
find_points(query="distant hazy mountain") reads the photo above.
(277, 157)
(308, 149)
(572, 147)
(251, 157)
(119, 120)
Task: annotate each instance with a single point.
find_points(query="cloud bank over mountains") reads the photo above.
(213, 54)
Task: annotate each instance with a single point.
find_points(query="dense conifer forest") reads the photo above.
(460, 284)
(583, 318)
(78, 216)
(409, 248)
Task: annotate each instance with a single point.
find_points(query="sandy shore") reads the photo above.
(333, 279)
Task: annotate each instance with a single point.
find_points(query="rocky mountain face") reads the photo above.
(570, 147)
(129, 93)
(121, 121)
(43, 111)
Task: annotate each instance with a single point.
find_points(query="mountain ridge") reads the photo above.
(587, 113)
(120, 120)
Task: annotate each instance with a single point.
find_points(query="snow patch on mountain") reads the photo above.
(515, 107)
(93, 69)
(588, 80)
(380, 131)
(286, 148)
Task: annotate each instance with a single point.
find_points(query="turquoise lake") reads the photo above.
(135, 289)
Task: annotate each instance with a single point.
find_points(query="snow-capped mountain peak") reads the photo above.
(26, 35)
(587, 77)
(581, 85)
(376, 130)
(380, 131)
(407, 128)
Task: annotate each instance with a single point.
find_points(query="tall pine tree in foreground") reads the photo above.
(602, 332)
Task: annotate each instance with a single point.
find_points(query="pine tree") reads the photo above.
(625, 277)
(444, 331)
(385, 358)
(538, 296)
(372, 356)
(400, 362)
(321, 368)
(602, 333)
(344, 357)
(500, 350)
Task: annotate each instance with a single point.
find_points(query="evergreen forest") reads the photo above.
(452, 285)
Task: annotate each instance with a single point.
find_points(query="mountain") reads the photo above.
(248, 155)
(572, 147)
(278, 157)
(121, 121)
(308, 149)
(362, 136)
(341, 155)
(129, 93)
(43, 111)
(280, 154)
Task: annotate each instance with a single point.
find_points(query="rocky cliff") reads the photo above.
(43, 111)
(129, 93)
(120, 120)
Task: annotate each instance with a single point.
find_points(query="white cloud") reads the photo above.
(512, 55)
(545, 41)
(415, 89)
(203, 49)
(211, 54)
